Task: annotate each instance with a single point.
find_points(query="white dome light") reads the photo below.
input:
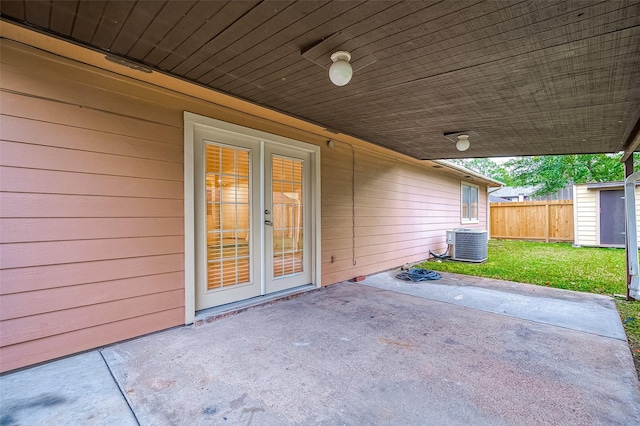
(340, 72)
(463, 142)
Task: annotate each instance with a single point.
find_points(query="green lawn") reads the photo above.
(594, 270)
(559, 265)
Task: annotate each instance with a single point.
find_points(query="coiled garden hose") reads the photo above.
(418, 274)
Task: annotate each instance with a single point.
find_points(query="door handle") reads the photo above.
(268, 222)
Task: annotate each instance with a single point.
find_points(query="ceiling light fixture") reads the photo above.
(463, 142)
(340, 72)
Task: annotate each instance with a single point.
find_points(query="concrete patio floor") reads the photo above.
(461, 350)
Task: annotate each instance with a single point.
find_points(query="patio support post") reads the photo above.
(628, 171)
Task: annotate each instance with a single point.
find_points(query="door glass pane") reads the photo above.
(228, 226)
(287, 216)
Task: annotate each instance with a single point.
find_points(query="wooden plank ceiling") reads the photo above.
(524, 77)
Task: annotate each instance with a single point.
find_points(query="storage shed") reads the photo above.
(599, 214)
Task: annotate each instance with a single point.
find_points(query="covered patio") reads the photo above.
(102, 196)
(393, 353)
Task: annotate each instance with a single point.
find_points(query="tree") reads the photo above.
(553, 172)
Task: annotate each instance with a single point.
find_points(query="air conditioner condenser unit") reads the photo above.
(469, 245)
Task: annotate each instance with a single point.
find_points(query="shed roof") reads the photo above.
(611, 185)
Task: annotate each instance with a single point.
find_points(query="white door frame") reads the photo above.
(193, 121)
(274, 284)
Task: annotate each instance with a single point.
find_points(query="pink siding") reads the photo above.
(401, 211)
(91, 201)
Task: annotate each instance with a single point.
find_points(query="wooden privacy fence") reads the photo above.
(533, 220)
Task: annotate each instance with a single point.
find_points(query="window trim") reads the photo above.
(465, 220)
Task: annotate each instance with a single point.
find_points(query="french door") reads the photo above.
(287, 218)
(253, 217)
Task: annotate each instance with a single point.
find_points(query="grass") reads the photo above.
(630, 315)
(559, 265)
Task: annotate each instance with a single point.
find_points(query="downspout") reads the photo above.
(633, 278)
(353, 204)
(576, 237)
(487, 202)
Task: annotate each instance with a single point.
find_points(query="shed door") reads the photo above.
(612, 217)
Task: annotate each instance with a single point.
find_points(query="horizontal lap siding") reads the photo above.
(34, 351)
(91, 204)
(401, 212)
(586, 216)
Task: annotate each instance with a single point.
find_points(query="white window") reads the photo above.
(469, 207)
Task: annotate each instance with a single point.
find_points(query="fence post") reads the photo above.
(546, 232)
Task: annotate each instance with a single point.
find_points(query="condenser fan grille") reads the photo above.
(470, 245)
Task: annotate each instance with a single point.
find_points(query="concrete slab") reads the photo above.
(354, 354)
(591, 313)
(73, 391)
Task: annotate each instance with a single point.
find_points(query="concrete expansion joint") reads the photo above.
(113, 377)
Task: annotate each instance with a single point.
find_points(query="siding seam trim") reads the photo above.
(44, 98)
